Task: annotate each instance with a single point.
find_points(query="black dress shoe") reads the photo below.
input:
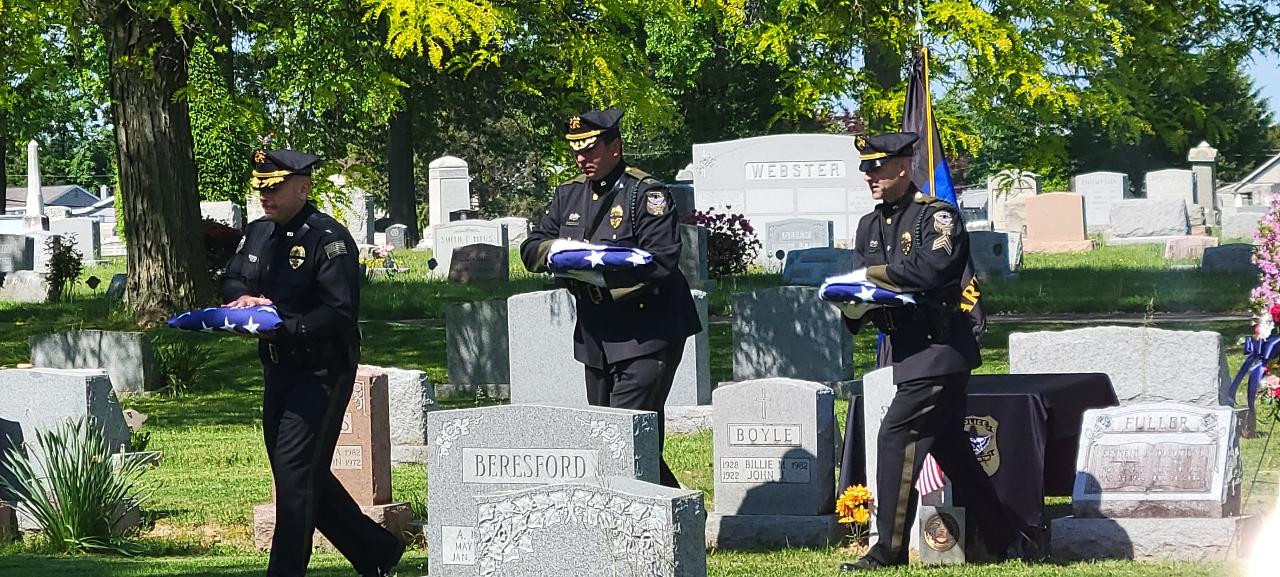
(863, 564)
(384, 569)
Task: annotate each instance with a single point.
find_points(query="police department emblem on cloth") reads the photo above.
(655, 202)
(860, 142)
(297, 256)
(982, 436)
(573, 219)
(906, 243)
(615, 216)
(941, 532)
(943, 223)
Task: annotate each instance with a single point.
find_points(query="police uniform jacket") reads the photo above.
(643, 310)
(309, 268)
(918, 244)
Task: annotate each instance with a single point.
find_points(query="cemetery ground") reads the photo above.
(197, 520)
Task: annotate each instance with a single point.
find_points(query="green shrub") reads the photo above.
(182, 365)
(65, 265)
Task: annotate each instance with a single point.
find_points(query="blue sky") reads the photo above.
(1265, 70)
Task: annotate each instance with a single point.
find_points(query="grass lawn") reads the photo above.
(197, 520)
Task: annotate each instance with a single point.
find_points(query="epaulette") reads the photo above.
(638, 174)
(581, 178)
(923, 198)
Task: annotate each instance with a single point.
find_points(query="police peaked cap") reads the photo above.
(874, 150)
(584, 130)
(270, 167)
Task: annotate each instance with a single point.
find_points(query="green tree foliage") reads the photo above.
(222, 129)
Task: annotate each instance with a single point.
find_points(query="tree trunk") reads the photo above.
(157, 174)
(4, 162)
(403, 197)
(885, 63)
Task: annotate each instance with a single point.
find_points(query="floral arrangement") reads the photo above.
(1262, 350)
(379, 257)
(731, 241)
(854, 509)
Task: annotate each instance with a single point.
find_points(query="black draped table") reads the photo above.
(1026, 430)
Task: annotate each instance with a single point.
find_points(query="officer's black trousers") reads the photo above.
(301, 418)
(641, 384)
(927, 416)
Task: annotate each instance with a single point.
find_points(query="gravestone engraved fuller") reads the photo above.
(477, 349)
(787, 332)
(1100, 190)
(480, 262)
(619, 527)
(481, 452)
(771, 178)
(1171, 183)
(450, 236)
(784, 236)
(1158, 460)
(774, 443)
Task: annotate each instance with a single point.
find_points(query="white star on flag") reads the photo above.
(205, 328)
(251, 326)
(227, 325)
(267, 309)
(867, 293)
(906, 299)
(636, 258)
(596, 258)
(184, 315)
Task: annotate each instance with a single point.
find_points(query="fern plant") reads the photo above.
(73, 491)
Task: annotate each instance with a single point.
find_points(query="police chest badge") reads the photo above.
(615, 216)
(906, 243)
(297, 256)
(943, 222)
(982, 436)
(655, 202)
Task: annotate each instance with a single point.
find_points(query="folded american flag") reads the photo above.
(249, 320)
(567, 255)
(854, 287)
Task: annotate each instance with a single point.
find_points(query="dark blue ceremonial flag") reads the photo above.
(248, 320)
(841, 290)
(581, 256)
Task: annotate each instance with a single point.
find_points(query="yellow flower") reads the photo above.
(861, 516)
(854, 497)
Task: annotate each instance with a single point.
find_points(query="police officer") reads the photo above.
(915, 243)
(304, 263)
(632, 324)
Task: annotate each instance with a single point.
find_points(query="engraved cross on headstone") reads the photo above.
(764, 403)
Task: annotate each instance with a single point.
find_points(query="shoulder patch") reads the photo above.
(944, 223)
(335, 249)
(655, 201)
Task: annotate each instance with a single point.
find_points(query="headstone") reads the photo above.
(1008, 187)
(942, 535)
(1145, 364)
(115, 290)
(448, 189)
(86, 232)
(253, 211)
(1171, 183)
(11, 439)
(1056, 223)
(24, 286)
(355, 211)
(693, 255)
(543, 369)
(480, 262)
(517, 228)
(1204, 160)
(1242, 224)
(878, 390)
(462, 233)
(362, 458)
(1015, 212)
(476, 345)
(8, 523)
(464, 214)
(34, 219)
(1188, 247)
(17, 252)
(410, 396)
(691, 385)
(44, 255)
(975, 198)
(788, 332)
(995, 254)
(682, 197)
(496, 449)
(1229, 258)
(618, 527)
(397, 236)
(1158, 460)
(785, 176)
(1145, 217)
(812, 266)
(57, 212)
(126, 356)
(1100, 190)
(774, 443)
(784, 236)
(225, 212)
(41, 399)
(685, 174)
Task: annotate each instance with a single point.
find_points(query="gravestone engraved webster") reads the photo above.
(84, 232)
(398, 236)
(450, 236)
(794, 234)
(477, 348)
(480, 262)
(128, 357)
(1144, 364)
(480, 452)
(1171, 183)
(1056, 223)
(812, 266)
(448, 189)
(1006, 188)
(619, 527)
(774, 443)
(1156, 482)
(787, 332)
(779, 177)
(1100, 190)
(17, 252)
(540, 332)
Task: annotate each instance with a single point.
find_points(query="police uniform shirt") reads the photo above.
(918, 244)
(309, 269)
(641, 310)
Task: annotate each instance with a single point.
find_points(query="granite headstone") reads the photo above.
(128, 357)
(480, 262)
(812, 266)
(788, 332)
(477, 349)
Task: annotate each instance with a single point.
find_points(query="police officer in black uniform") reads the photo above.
(305, 263)
(915, 243)
(632, 324)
